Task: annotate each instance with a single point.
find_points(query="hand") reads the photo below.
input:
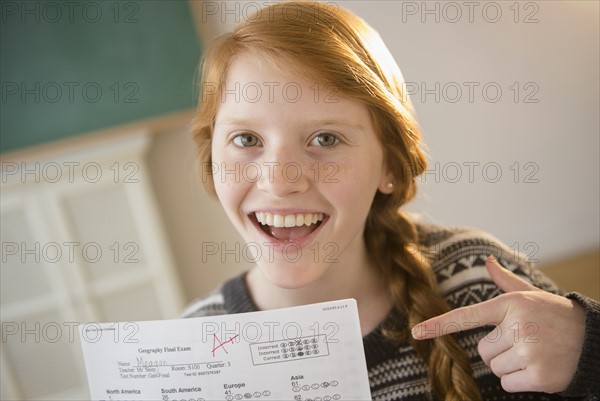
(537, 340)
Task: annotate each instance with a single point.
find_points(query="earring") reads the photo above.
(390, 185)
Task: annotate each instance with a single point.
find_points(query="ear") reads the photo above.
(387, 183)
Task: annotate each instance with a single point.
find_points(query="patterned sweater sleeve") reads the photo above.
(586, 381)
(458, 259)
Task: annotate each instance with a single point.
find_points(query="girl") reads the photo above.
(303, 106)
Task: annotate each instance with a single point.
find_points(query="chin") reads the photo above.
(291, 276)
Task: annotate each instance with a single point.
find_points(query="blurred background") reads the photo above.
(103, 217)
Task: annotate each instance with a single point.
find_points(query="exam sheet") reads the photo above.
(309, 353)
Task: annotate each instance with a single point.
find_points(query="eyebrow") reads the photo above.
(319, 123)
(345, 123)
(236, 121)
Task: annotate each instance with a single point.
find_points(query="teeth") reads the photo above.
(289, 220)
(278, 220)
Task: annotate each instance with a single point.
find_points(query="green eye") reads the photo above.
(325, 140)
(246, 140)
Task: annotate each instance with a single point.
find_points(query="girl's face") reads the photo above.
(296, 166)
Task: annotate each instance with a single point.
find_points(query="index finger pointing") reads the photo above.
(467, 317)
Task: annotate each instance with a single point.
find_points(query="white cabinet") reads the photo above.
(82, 241)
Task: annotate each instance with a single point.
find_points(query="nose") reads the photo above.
(282, 176)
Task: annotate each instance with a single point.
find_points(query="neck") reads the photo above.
(352, 277)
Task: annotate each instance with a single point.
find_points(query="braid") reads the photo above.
(412, 285)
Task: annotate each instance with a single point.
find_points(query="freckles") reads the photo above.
(344, 181)
(228, 190)
(358, 180)
(326, 172)
(226, 173)
(251, 172)
(346, 166)
(234, 188)
(358, 172)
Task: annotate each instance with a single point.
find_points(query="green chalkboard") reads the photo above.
(68, 68)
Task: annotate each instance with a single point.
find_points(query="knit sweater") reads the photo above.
(457, 257)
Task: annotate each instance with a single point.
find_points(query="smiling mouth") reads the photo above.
(289, 227)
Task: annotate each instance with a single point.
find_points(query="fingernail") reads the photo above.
(492, 259)
(415, 332)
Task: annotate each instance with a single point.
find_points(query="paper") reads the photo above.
(309, 353)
